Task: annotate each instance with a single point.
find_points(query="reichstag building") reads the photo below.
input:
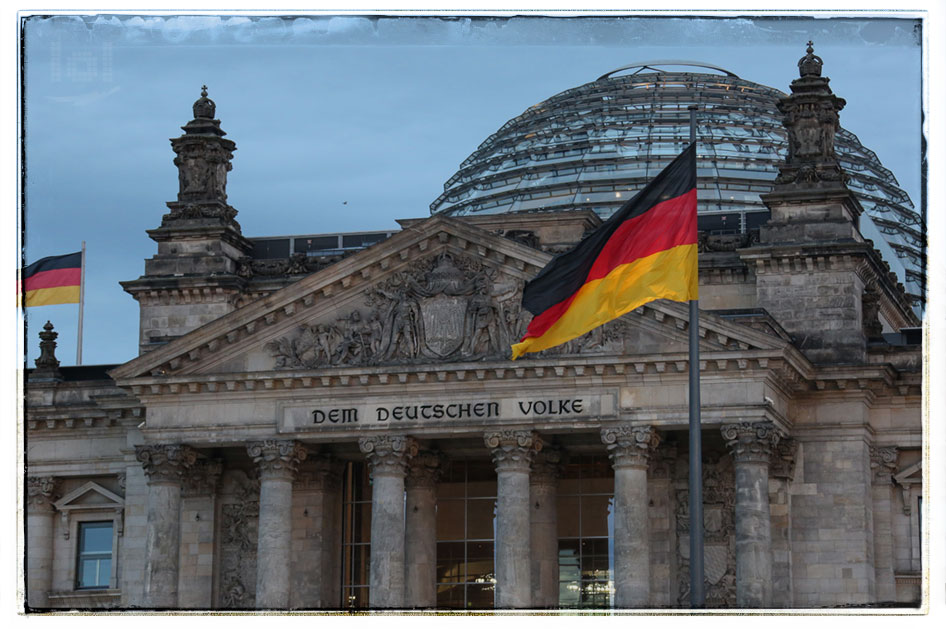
(333, 421)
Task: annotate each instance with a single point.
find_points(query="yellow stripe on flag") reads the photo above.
(669, 274)
(50, 296)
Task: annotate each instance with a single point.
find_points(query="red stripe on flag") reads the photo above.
(54, 278)
(666, 225)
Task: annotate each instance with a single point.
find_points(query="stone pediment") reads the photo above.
(89, 496)
(439, 291)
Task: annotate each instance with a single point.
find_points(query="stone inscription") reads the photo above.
(295, 418)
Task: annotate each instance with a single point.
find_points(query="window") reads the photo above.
(356, 536)
(94, 556)
(586, 533)
(466, 528)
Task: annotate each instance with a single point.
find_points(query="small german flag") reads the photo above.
(53, 280)
(647, 250)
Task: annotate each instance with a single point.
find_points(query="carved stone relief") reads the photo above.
(719, 562)
(443, 308)
(239, 529)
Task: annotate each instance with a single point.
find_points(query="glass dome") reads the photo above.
(593, 146)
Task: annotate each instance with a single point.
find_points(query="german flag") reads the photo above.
(645, 251)
(53, 280)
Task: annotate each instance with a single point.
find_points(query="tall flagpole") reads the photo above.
(697, 595)
(81, 305)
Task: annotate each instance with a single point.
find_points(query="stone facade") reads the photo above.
(225, 459)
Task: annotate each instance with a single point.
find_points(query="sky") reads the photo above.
(347, 123)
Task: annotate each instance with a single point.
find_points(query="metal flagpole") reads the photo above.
(697, 595)
(81, 304)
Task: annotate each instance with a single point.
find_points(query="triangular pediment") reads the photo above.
(91, 495)
(439, 291)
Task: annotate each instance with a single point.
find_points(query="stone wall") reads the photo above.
(832, 523)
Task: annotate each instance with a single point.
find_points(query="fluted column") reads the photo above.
(388, 456)
(512, 452)
(42, 491)
(543, 497)
(629, 448)
(313, 569)
(883, 464)
(277, 461)
(165, 466)
(420, 535)
(751, 447)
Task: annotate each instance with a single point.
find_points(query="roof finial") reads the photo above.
(204, 107)
(810, 64)
(47, 366)
(203, 88)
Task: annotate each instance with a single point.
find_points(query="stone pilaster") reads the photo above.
(277, 462)
(512, 452)
(883, 465)
(751, 447)
(543, 498)
(388, 456)
(630, 448)
(781, 473)
(42, 491)
(166, 466)
(420, 535)
(314, 579)
(198, 511)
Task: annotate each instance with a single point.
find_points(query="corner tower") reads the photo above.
(815, 271)
(192, 280)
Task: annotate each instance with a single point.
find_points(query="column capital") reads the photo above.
(425, 469)
(42, 492)
(320, 473)
(166, 463)
(388, 455)
(547, 466)
(883, 464)
(276, 458)
(513, 449)
(751, 442)
(202, 478)
(782, 464)
(630, 445)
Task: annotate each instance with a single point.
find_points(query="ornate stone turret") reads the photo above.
(193, 280)
(203, 161)
(810, 199)
(47, 366)
(815, 273)
(811, 119)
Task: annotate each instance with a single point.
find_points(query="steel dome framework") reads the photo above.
(593, 146)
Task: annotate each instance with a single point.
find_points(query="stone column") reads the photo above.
(420, 535)
(165, 466)
(198, 508)
(543, 498)
(883, 464)
(513, 451)
(314, 582)
(42, 491)
(630, 448)
(277, 461)
(781, 473)
(388, 456)
(751, 445)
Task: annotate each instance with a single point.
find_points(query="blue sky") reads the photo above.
(347, 123)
